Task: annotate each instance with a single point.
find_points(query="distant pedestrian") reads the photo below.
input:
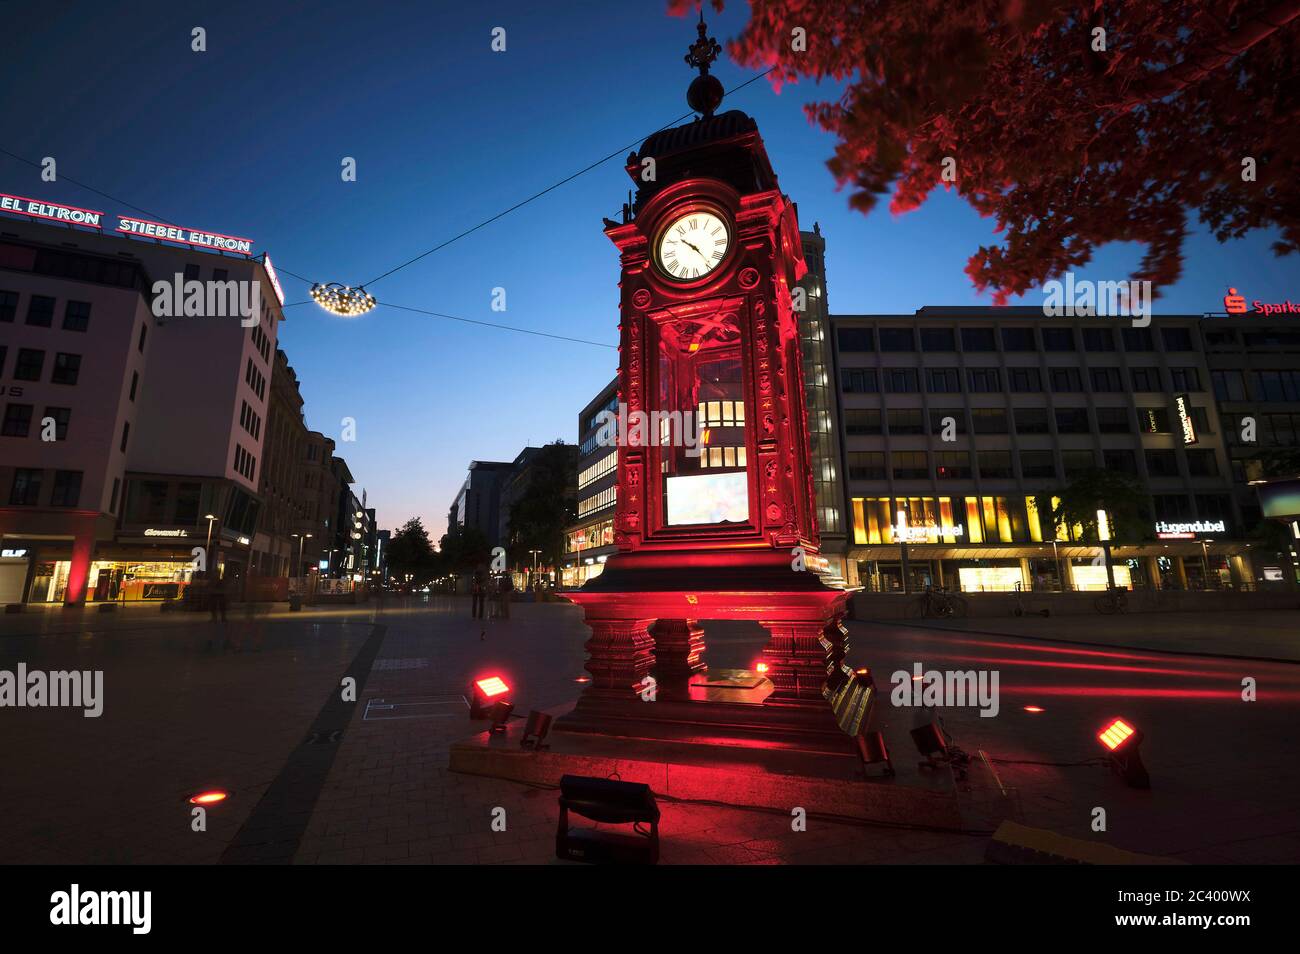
(504, 589)
(478, 592)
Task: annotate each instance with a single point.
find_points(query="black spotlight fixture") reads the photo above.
(1122, 741)
(500, 716)
(928, 736)
(484, 694)
(535, 729)
(614, 803)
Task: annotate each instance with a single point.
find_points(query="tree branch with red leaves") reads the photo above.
(1066, 146)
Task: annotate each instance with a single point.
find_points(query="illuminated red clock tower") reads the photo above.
(715, 515)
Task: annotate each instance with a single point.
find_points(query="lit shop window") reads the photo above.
(722, 457)
(598, 470)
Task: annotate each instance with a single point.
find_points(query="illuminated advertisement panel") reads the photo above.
(1279, 499)
(1183, 410)
(708, 498)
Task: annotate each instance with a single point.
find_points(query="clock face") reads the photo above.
(692, 246)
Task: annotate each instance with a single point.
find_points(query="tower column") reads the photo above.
(678, 651)
(620, 655)
(83, 547)
(799, 655)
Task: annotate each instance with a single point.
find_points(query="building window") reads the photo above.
(1276, 385)
(896, 339)
(76, 316)
(126, 432)
(942, 381)
(1098, 339)
(1172, 507)
(135, 381)
(1202, 463)
(18, 420)
(1114, 420)
(1120, 461)
(1138, 339)
(1185, 379)
(995, 465)
(29, 364)
(112, 501)
(67, 367)
(188, 495)
(866, 465)
(593, 472)
(1031, 420)
(983, 380)
(938, 339)
(1065, 379)
(1058, 339)
(40, 311)
(1220, 340)
(856, 339)
(61, 417)
(1162, 463)
(978, 339)
(26, 491)
(862, 421)
(989, 420)
(1228, 385)
(144, 331)
(1077, 462)
(1038, 463)
(858, 380)
(1024, 380)
(1106, 379)
(938, 417)
(1177, 339)
(952, 465)
(66, 491)
(1072, 420)
(1146, 379)
(1018, 339)
(4, 351)
(901, 380)
(191, 272)
(905, 421)
(8, 305)
(909, 465)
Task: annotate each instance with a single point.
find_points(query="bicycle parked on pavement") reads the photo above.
(938, 603)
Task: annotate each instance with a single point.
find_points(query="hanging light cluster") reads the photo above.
(343, 299)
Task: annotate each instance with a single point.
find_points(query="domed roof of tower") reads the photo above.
(697, 133)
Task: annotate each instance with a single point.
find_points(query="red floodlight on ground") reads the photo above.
(209, 798)
(1122, 741)
(485, 693)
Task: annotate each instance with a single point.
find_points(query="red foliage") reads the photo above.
(1066, 147)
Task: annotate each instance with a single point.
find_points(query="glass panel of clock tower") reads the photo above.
(701, 423)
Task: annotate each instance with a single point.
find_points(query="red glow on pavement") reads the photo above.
(1012, 662)
(1134, 692)
(209, 798)
(1115, 734)
(492, 686)
(1034, 709)
(583, 679)
(1105, 654)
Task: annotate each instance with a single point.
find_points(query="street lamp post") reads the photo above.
(1060, 575)
(534, 553)
(207, 547)
(1205, 564)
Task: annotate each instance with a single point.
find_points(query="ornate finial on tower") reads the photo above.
(705, 93)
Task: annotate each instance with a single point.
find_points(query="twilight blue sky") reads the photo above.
(248, 138)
